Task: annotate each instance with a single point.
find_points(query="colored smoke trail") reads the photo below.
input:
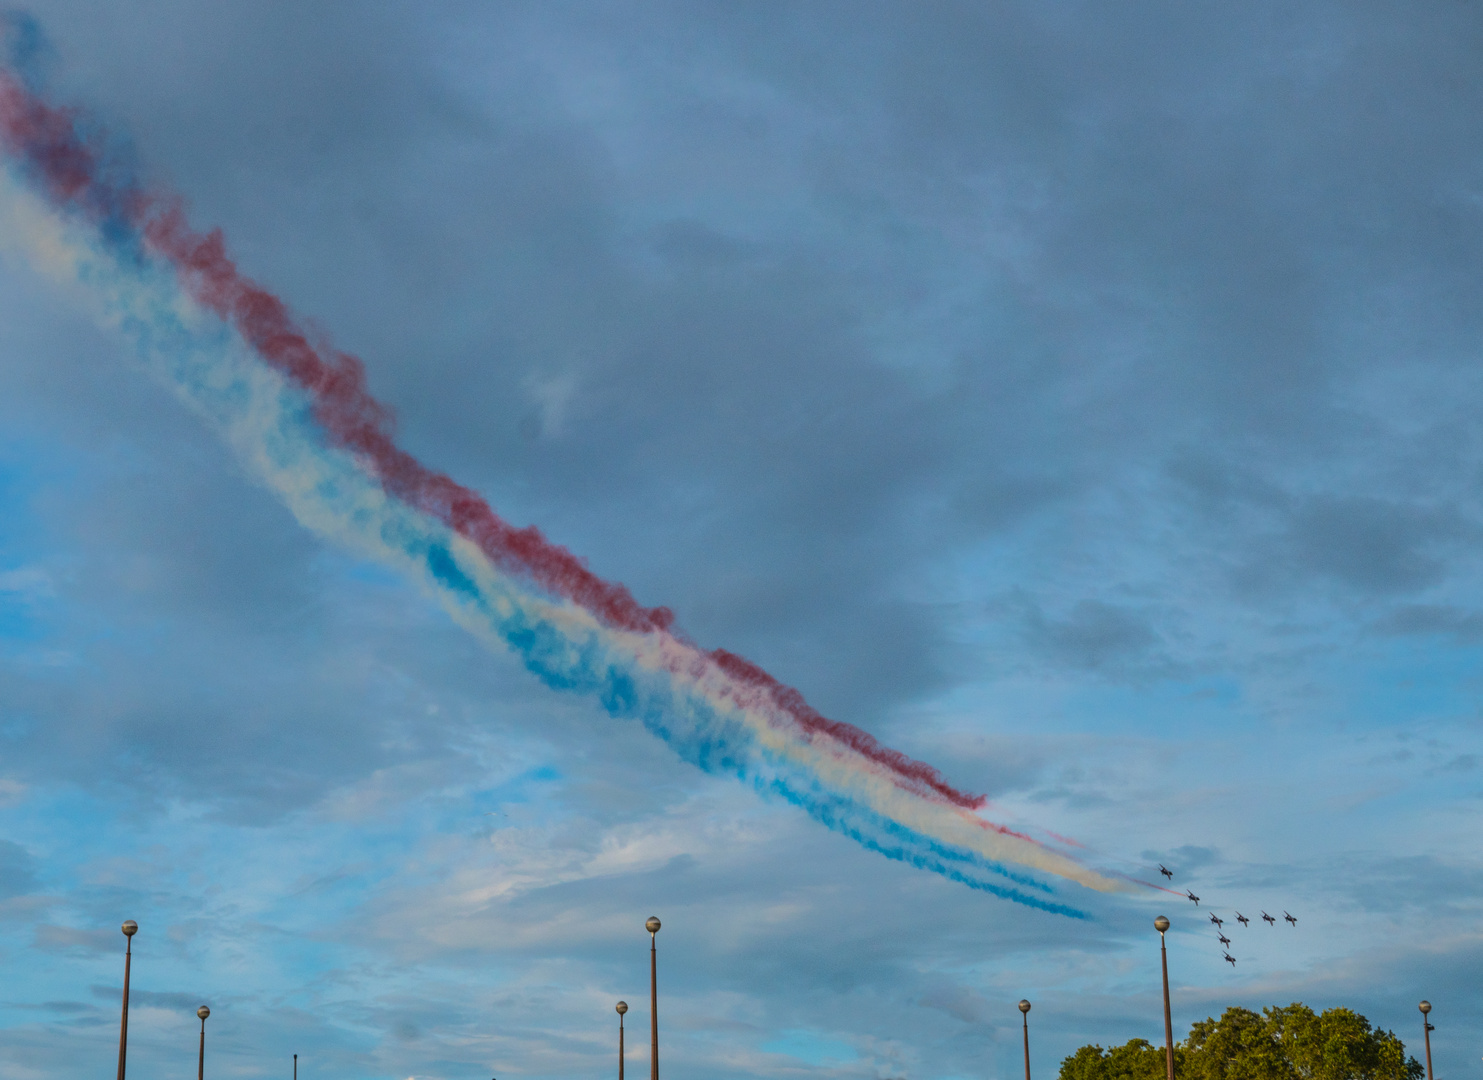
(299, 415)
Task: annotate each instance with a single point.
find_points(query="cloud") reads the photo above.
(1093, 635)
(150, 998)
(833, 329)
(17, 870)
(1428, 620)
(1370, 544)
(62, 939)
(29, 582)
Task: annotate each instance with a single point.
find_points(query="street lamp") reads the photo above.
(202, 1012)
(1161, 924)
(622, 1008)
(130, 928)
(1426, 1007)
(1025, 1009)
(652, 925)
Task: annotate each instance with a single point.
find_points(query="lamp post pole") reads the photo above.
(652, 925)
(1161, 924)
(130, 928)
(1426, 1022)
(202, 1012)
(622, 1008)
(1025, 1009)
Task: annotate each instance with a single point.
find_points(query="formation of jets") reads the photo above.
(1220, 923)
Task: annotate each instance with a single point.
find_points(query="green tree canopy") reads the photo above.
(1136, 1060)
(1291, 1043)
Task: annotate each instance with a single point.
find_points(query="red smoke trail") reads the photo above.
(1151, 885)
(1058, 838)
(1005, 830)
(47, 139)
(73, 171)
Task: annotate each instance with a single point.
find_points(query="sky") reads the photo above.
(1079, 398)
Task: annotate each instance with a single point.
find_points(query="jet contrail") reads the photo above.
(299, 416)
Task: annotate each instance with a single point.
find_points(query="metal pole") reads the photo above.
(296, 1067)
(622, 1008)
(1025, 1012)
(654, 1013)
(653, 927)
(1161, 924)
(1426, 1007)
(130, 928)
(202, 1012)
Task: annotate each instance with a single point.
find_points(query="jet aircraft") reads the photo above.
(1166, 871)
(1193, 897)
(1230, 959)
(1223, 939)
(1268, 919)
(1290, 918)
(1242, 919)
(1216, 919)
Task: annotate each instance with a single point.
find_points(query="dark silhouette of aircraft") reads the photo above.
(1166, 871)
(1269, 920)
(1216, 919)
(1223, 939)
(1289, 918)
(1242, 919)
(1193, 897)
(1230, 959)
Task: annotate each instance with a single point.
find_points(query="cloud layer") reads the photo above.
(1079, 398)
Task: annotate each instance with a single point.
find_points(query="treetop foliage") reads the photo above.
(1280, 1043)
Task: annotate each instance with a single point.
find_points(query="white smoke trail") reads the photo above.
(709, 719)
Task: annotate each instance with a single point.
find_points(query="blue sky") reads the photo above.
(1080, 398)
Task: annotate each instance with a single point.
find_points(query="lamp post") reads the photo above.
(130, 928)
(296, 1067)
(1426, 1023)
(202, 1012)
(1161, 924)
(622, 1008)
(1025, 1009)
(652, 925)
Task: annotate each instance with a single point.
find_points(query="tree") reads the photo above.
(1239, 1046)
(1291, 1043)
(1136, 1060)
(1339, 1044)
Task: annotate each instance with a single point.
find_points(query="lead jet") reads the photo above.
(1268, 919)
(1216, 919)
(1290, 918)
(1166, 871)
(1223, 939)
(1230, 959)
(1193, 897)
(1242, 919)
